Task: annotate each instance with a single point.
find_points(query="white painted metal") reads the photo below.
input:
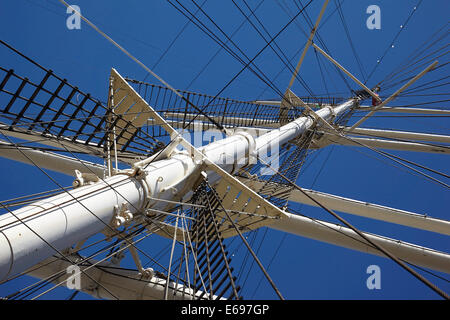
(405, 110)
(366, 108)
(50, 140)
(400, 135)
(195, 125)
(226, 120)
(365, 209)
(383, 144)
(362, 85)
(342, 236)
(295, 128)
(373, 211)
(361, 208)
(345, 237)
(123, 283)
(49, 160)
(278, 103)
(69, 218)
(60, 142)
(62, 221)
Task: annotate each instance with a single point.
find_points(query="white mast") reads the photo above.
(31, 235)
(66, 219)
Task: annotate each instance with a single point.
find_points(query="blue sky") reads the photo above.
(302, 268)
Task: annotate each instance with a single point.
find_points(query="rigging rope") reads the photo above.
(391, 45)
(173, 42)
(360, 234)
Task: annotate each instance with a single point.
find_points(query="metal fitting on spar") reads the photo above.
(332, 113)
(61, 221)
(83, 179)
(236, 150)
(163, 173)
(251, 150)
(162, 178)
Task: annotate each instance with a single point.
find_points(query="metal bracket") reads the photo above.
(122, 216)
(83, 179)
(166, 153)
(119, 255)
(146, 273)
(251, 157)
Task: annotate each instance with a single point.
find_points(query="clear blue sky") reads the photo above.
(302, 268)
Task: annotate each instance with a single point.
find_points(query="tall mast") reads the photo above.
(76, 215)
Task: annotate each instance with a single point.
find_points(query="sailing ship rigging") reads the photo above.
(205, 178)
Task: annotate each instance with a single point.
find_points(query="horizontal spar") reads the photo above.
(224, 120)
(393, 134)
(106, 278)
(51, 140)
(33, 233)
(62, 143)
(49, 160)
(385, 144)
(370, 108)
(406, 110)
(361, 208)
(345, 237)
